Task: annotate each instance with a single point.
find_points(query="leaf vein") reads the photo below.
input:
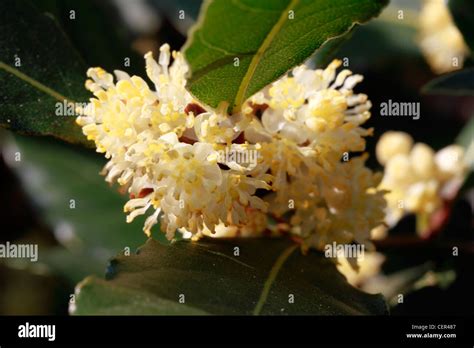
(272, 276)
(244, 7)
(212, 47)
(38, 85)
(256, 59)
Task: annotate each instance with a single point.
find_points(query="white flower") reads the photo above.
(203, 172)
(440, 40)
(415, 175)
(305, 123)
(392, 143)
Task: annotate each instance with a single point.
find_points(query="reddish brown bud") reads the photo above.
(144, 192)
(258, 109)
(194, 108)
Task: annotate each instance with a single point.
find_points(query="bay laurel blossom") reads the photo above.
(417, 178)
(440, 40)
(165, 150)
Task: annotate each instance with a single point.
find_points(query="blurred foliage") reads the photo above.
(463, 15)
(23, 292)
(92, 227)
(105, 44)
(457, 83)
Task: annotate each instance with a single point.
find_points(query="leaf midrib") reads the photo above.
(280, 261)
(239, 99)
(34, 83)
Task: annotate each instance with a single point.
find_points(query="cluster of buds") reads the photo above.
(440, 40)
(417, 179)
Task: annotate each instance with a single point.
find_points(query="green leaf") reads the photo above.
(123, 301)
(463, 15)
(38, 69)
(458, 83)
(107, 47)
(327, 52)
(260, 280)
(383, 41)
(172, 8)
(466, 140)
(266, 42)
(93, 227)
(466, 136)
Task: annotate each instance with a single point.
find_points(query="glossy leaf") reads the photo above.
(74, 200)
(466, 140)
(239, 47)
(268, 276)
(108, 46)
(458, 83)
(39, 71)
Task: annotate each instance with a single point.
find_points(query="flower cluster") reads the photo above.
(166, 150)
(440, 40)
(307, 123)
(158, 149)
(417, 178)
